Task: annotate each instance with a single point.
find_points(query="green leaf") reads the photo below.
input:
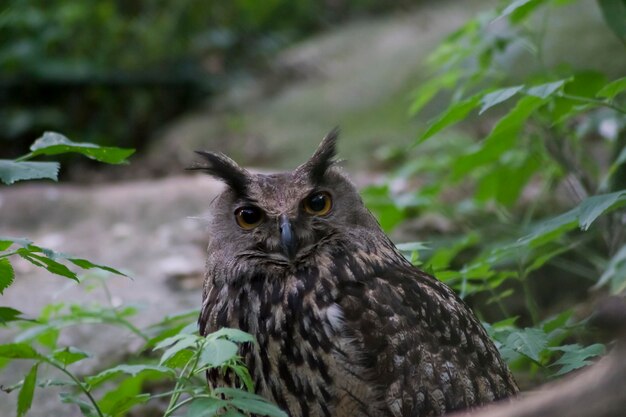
(181, 345)
(6, 274)
(216, 352)
(47, 263)
(85, 407)
(250, 402)
(12, 171)
(234, 335)
(502, 137)
(205, 407)
(576, 357)
(85, 264)
(25, 397)
(123, 405)
(518, 9)
(593, 207)
(614, 12)
(612, 89)
(453, 114)
(615, 272)
(132, 370)
(69, 355)
(259, 407)
(8, 314)
(428, 90)
(497, 97)
(545, 90)
(528, 342)
(52, 143)
(8, 241)
(19, 351)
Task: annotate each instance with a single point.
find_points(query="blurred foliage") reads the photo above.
(114, 71)
(536, 202)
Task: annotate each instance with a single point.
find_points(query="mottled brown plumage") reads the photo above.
(345, 325)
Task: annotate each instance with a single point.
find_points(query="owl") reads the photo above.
(345, 325)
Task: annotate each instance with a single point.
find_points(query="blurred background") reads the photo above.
(264, 81)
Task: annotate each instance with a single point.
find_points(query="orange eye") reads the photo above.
(318, 204)
(248, 217)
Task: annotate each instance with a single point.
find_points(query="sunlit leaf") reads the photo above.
(25, 396)
(612, 89)
(497, 97)
(52, 143)
(19, 351)
(453, 114)
(12, 171)
(545, 90)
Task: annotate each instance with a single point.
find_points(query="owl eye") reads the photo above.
(318, 203)
(248, 217)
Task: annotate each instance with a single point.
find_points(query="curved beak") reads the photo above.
(287, 238)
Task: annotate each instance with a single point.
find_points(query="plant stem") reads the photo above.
(593, 101)
(79, 383)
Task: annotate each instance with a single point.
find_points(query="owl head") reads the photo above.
(283, 218)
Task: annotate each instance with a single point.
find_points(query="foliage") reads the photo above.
(539, 207)
(183, 357)
(114, 71)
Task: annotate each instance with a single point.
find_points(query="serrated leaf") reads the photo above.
(259, 407)
(217, 351)
(179, 346)
(69, 355)
(497, 97)
(25, 397)
(593, 207)
(614, 12)
(47, 263)
(85, 264)
(528, 342)
(19, 351)
(453, 114)
(615, 272)
(613, 88)
(132, 370)
(205, 407)
(234, 335)
(13, 171)
(576, 357)
(545, 90)
(8, 314)
(52, 143)
(5, 244)
(7, 275)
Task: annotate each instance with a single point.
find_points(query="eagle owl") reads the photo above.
(345, 325)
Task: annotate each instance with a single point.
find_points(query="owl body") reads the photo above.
(345, 325)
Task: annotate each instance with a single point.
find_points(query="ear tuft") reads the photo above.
(323, 157)
(225, 169)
